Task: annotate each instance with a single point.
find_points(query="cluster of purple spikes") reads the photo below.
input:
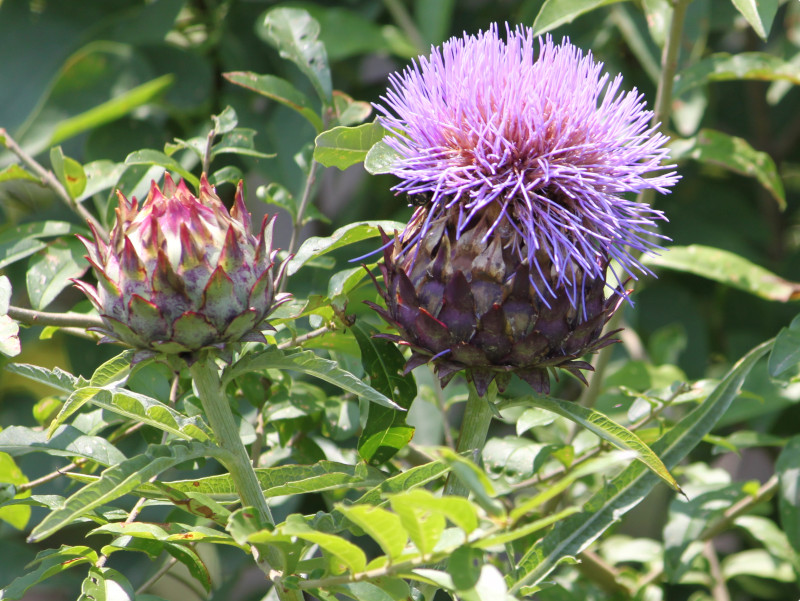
(550, 140)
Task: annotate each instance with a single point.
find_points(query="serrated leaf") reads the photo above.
(66, 441)
(311, 364)
(315, 246)
(345, 551)
(786, 350)
(722, 66)
(52, 269)
(22, 241)
(608, 430)
(382, 526)
(342, 147)
(759, 13)
(734, 154)
(48, 563)
(381, 158)
(632, 485)
(294, 33)
(57, 377)
(156, 157)
(121, 479)
(386, 431)
(558, 12)
(726, 268)
(279, 90)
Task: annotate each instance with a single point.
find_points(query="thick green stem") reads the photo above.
(472, 436)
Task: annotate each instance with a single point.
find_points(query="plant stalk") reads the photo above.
(472, 435)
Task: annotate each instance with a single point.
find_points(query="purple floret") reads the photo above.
(546, 140)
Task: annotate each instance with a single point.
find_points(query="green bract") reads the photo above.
(182, 273)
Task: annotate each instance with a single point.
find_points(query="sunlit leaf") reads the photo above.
(342, 147)
(52, 269)
(383, 526)
(22, 241)
(345, 551)
(381, 158)
(158, 158)
(745, 65)
(66, 441)
(558, 12)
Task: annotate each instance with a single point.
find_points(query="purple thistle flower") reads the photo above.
(549, 144)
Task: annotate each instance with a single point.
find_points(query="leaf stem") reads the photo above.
(49, 179)
(298, 224)
(472, 436)
(41, 318)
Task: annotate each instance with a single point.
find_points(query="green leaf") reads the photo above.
(49, 563)
(67, 441)
(726, 268)
(57, 377)
(386, 431)
(119, 480)
(407, 480)
(315, 246)
(240, 140)
(558, 12)
(52, 269)
(788, 470)
(193, 562)
(757, 562)
(156, 157)
(15, 172)
(734, 154)
(10, 477)
(111, 110)
(68, 171)
(786, 351)
(311, 364)
(105, 584)
(100, 175)
(342, 147)
(383, 526)
(632, 485)
(165, 532)
(113, 371)
(609, 431)
(424, 527)
(346, 552)
(278, 90)
(282, 481)
(759, 13)
(381, 158)
(22, 241)
(294, 33)
(745, 65)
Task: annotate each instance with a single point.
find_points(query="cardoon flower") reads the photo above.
(521, 164)
(182, 273)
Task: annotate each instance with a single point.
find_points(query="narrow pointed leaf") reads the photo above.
(759, 13)
(558, 12)
(159, 159)
(745, 65)
(48, 563)
(345, 551)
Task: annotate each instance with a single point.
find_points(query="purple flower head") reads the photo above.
(548, 143)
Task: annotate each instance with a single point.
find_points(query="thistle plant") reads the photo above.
(520, 154)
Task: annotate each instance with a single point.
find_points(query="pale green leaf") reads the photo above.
(57, 377)
(52, 269)
(22, 241)
(381, 158)
(558, 12)
(383, 526)
(342, 147)
(788, 470)
(407, 480)
(745, 65)
(68, 171)
(9, 337)
(759, 13)
(66, 441)
(786, 351)
(345, 551)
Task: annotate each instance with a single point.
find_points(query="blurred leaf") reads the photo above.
(48, 563)
(226, 121)
(786, 351)
(239, 140)
(382, 526)
(622, 493)
(558, 12)
(14, 171)
(759, 13)
(345, 551)
(380, 158)
(294, 33)
(278, 90)
(788, 470)
(726, 268)
(113, 371)
(22, 241)
(120, 105)
(11, 476)
(119, 480)
(766, 532)
(67, 441)
(342, 147)
(745, 65)
(757, 562)
(609, 431)
(434, 18)
(283, 480)
(349, 111)
(106, 584)
(386, 431)
(533, 418)
(424, 527)
(734, 154)
(100, 175)
(658, 15)
(345, 33)
(315, 247)
(165, 532)
(52, 269)
(525, 529)
(5, 294)
(514, 457)
(156, 157)
(9, 337)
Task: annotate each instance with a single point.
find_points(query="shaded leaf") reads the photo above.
(52, 269)
(786, 350)
(345, 551)
(48, 563)
(407, 480)
(66, 441)
(788, 470)
(342, 147)
(745, 65)
(726, 268)
(759, 13)
(156, 157)
(22, 241)
(558, 12)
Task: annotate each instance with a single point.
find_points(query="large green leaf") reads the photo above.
(381, 158)
(22, 241)
(294, 33)
(66, 441)
(52, 269)
(342, 147)
(382, 526)
(386, 431)
(608, 430)
(759, 13)
(279, 90)
(121, 479)
(734, 154)
(315, 246)
(745, 65)
(726, 268)
(625, 491)
(311, 364)
(558, 12)
(56, 378)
